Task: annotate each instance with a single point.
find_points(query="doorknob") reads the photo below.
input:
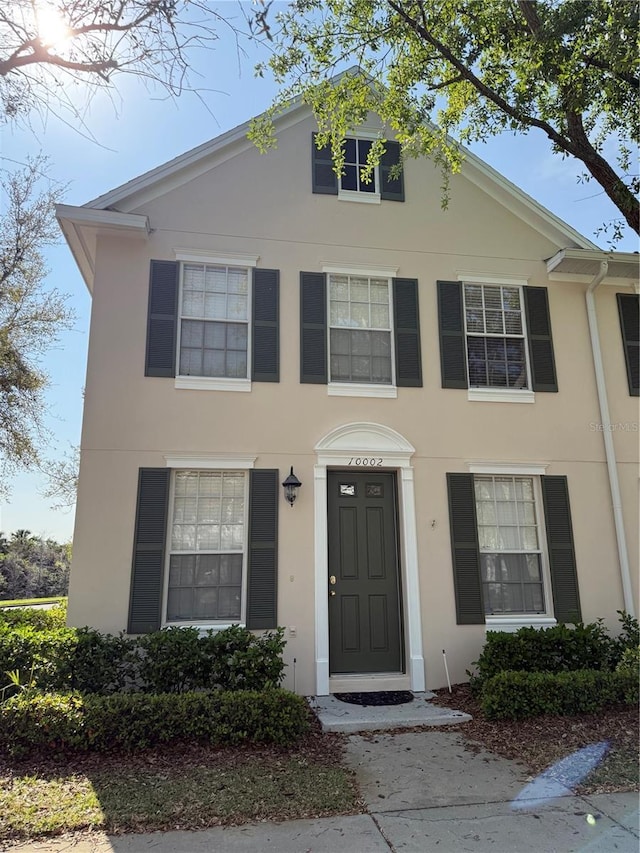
(332, 580)
(332, 592)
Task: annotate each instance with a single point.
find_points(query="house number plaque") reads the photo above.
(366, 461)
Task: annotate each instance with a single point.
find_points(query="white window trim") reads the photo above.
(354, 389)
(206, 461)
(358, 269)
(511, 624)
(370, 134)
(517, 469)
(520, 620)
(211, 383)
(359, 197)
(499, 395)
(361, 389)
(206, 626)
(215, 383)
(232, 259)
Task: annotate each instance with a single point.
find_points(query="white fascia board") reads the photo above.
(80, 226)
(111, 219)
(628, 260)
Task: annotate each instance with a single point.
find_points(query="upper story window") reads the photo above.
(495, 336)
(386, 182)
(360, 329)
(214, 321)
(495, 339)
(629, 312)
(509, 541)
(206, 547)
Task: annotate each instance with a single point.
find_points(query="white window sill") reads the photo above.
(501, 395)
(349, 389)
(362, 198)
(512, 623)
(214, 626)
(211, 383)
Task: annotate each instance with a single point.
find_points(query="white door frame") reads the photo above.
(339, 448)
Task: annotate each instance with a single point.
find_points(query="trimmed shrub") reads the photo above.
(35, 617)
(630, 662)
(174, 660)
(515, 695)
(556, 649)
(136, 721)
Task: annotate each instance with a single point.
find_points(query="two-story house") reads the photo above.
(457, 393)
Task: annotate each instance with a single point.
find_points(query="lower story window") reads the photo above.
(509, 539)
(207, 547)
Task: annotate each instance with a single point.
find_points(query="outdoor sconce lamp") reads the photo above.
(291, 486)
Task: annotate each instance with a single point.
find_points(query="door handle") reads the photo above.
(332, 592)
(332, 580)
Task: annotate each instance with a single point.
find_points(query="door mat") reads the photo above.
(383, 697)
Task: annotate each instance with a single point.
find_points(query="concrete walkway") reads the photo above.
(425, 792)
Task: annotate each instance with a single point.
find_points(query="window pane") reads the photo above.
(349, 178)
(216, 279)
(380, 317)
(339, 314)
(207, 586)
(360, 314)
(350, 155)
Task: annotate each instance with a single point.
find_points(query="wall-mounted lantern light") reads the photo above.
(291, 486)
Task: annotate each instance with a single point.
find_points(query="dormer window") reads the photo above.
(383, 184)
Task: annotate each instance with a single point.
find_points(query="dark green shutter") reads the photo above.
(313, 327)
(562, 558)
(162, 319)
(265, 348)
(629, 311)
(465, 550)
(406, 318)
(148, 550)
(453, 351)
(324, 179)
(543, 366)
(391, 188)
(262, 577)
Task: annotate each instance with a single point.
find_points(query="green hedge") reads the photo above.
(35, 617)
(557, 649)
(53, 721)
(514, 695)
(174, 660)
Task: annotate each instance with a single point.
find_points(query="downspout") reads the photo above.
(607, 433)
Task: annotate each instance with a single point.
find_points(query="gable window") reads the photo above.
(356, 152)
(206, 547)
(214, 321)
(360, 329)
(385, 183)
(509, 541)
(495, 336)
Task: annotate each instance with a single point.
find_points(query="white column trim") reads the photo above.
(337, 449)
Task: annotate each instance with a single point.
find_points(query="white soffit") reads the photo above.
(582, 265)
(81, 226)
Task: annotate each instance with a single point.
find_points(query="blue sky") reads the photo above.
(136, 130)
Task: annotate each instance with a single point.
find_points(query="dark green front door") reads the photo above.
(365, 629)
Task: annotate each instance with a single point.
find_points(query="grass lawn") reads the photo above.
(177, 787)
(29, 602)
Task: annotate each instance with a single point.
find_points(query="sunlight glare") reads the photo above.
(51, 28)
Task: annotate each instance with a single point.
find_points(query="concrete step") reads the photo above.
(338, 716)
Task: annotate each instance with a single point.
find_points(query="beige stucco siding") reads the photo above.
(264, 206)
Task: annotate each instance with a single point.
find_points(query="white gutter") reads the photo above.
(607, 433)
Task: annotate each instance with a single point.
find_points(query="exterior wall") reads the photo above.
(264, 206)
